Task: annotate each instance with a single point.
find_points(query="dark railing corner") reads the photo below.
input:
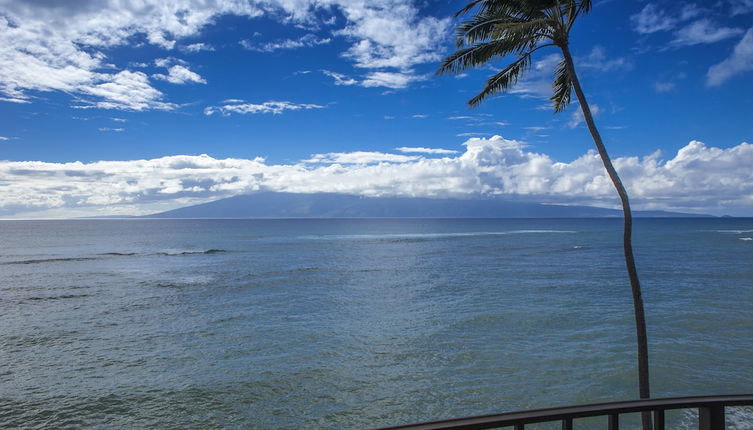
(711, 414)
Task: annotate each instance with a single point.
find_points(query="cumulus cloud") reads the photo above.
(698, 178)
(124, 90)
(198, 47)
(273, 107)
(45, 47)
(740, 61)
(178, 74)
(390, 33)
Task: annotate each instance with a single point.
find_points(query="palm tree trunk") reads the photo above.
(640, 318)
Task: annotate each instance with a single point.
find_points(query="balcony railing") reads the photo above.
(710, 414)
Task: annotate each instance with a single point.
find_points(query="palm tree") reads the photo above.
(520, 28)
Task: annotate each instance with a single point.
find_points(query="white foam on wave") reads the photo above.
(733, 231)
(746, 238)
(419, 236)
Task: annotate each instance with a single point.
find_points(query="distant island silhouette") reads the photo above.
(331, 205)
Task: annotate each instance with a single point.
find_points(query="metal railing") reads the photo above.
(710, 414)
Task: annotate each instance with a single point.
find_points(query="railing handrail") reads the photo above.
(582, 411)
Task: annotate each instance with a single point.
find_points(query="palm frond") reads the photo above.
(484, 27)
(585, 6)
(576, 8)
(499, 28)
(562, 85)
(503, 80)
(479, 54)
(468, 7)
(522, 9)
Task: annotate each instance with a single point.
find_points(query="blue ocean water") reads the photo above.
(319, 324)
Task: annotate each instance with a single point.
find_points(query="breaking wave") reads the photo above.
(429, 236)
(49, 260)
(111, 254)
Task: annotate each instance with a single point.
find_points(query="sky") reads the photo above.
(111, 107)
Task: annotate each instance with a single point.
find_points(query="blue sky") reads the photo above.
(100, 101)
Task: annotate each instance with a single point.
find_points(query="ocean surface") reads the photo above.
(354, 324)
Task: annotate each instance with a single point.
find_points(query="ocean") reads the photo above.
(361, 323)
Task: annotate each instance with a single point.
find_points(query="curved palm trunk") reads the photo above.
(640, 318)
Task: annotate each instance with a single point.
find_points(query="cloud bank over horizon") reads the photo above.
(698, 178)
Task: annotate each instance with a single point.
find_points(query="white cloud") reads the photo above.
(597, 59)
(740, 61)
(124, 90)
(178, 74)
(45, 47)
(119, 129)
(390, 33)
(359, 157)
(703, 31)
(273, 107)
(664, 87)
(698, 178)
(307, 40)
(422, 150)
(15, 99)
(198, 47)
(340, 79)
(651, 19)
(472, 134)
(576, 118)
(394, 80)
(420, 116)
(740, 7)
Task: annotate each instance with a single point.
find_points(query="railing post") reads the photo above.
(519, 426)
(614, 422)
(567, 424)
(659, 419)
(711, 418)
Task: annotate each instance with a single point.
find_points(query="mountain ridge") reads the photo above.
(332, 205)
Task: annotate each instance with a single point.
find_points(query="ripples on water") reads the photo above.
(287, 324)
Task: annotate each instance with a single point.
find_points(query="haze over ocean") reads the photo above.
(318, 324)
